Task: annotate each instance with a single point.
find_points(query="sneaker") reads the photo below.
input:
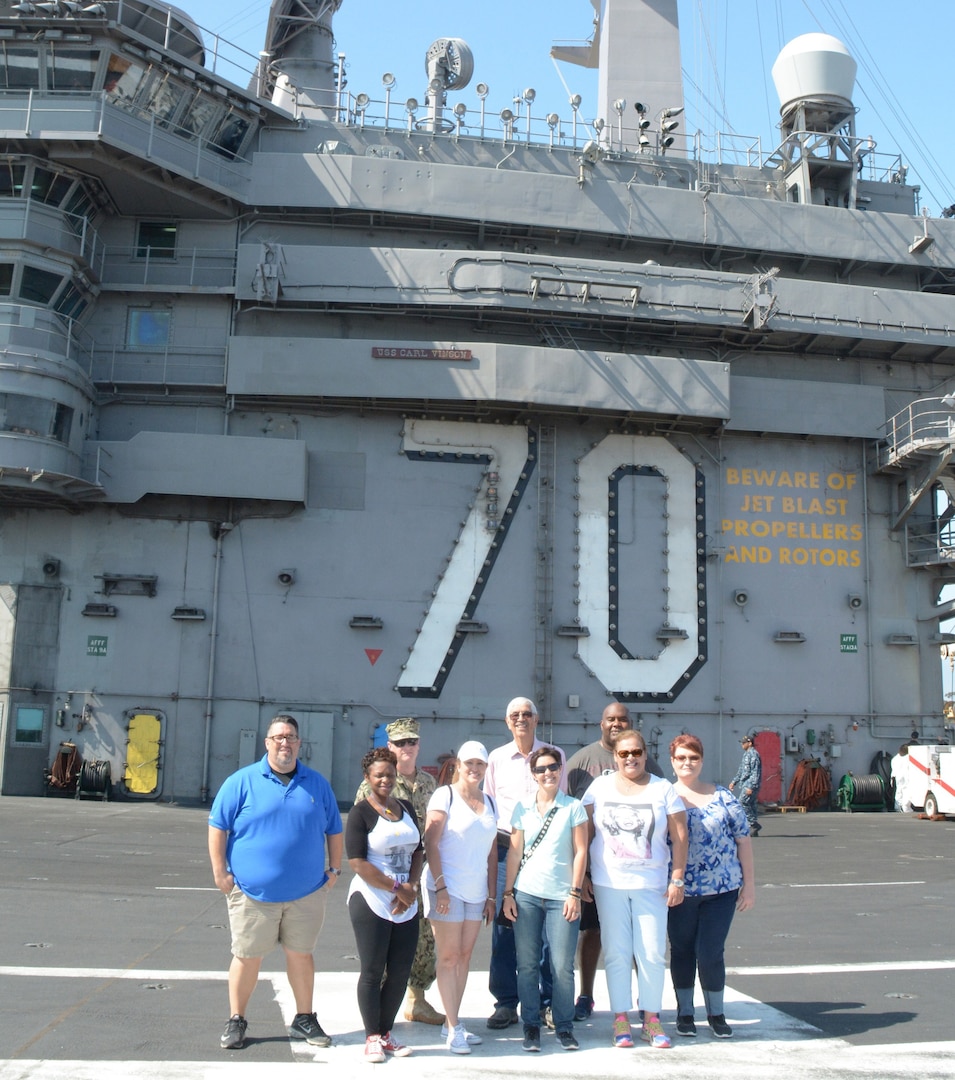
(622, 1035)
(532, 1039)
(306, 1026)
(233, 1038)
(719, 1026)
(567, 1040)
(547, 1017)
(374, 1053)
(457, 1041)
(583, 1008)
(653, 1033)
(502, 1017)
(390, 1045)
(474, 1040)
(685, 1025)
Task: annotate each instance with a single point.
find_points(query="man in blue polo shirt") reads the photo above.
(269, 828)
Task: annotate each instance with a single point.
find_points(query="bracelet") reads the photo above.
(493, 899)
(440, 877)
(506, 894)
(575, 894)
(441, 888)
(396, 885)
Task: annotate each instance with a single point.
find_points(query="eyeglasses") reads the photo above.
(404, 742)
(630, 753)
(284, 738)
(520, 715)
(539, 770)
(692, 758)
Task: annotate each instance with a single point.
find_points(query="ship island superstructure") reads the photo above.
(359, 408)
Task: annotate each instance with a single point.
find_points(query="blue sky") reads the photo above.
(729, 46)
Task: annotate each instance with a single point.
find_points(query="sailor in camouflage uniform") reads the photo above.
(417, 787)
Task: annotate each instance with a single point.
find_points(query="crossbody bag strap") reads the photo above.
(528, 852)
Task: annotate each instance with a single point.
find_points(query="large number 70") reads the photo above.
(508, 456)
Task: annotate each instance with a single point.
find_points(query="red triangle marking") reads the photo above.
(373, 655)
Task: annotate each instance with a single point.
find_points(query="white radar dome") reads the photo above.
(814, 67)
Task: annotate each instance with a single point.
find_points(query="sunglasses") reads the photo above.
(539, 770)
(629, 753)
(404, 742)
(692, 758)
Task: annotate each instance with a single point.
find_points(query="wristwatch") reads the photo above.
(678, 883)
(334, 870)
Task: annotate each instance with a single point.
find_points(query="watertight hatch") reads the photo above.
(143, 769)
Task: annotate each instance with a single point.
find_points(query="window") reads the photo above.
(156, 240)
(39, 285)
(49, 187)
(28, 729)
(123, 80)
(71, 302)
(6, 278)
(72, 69)
(19, 68)
(21, 414)
(11, 179)
(148, 328)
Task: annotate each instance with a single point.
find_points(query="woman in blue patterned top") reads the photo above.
(719, 882)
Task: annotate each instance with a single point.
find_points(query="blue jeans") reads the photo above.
(698, 929)
(538, 918)
(502, 973)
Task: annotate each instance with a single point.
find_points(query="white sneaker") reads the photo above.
(474, 1040)
(457, 1041)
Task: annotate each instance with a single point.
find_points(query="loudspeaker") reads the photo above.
(51, 567)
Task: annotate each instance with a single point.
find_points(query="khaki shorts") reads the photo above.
(257, 926)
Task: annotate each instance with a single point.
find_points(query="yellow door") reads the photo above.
(144, 738)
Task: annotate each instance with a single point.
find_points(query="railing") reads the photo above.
(184, 366)
(189, 268)
(926, 424)
(64, 113)
(60, 338)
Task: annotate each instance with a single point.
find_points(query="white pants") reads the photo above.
(633, 926)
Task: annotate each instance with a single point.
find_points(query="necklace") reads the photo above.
(383, 810)
(542, 808)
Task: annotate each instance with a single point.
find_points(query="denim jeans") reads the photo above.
(633, 926)
(698, 929)
(502, 973)
(537, 917)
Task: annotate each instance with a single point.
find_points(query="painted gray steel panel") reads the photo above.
(223, 466)
(509, 374)
(806, 408)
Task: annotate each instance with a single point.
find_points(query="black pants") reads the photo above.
(386, 951)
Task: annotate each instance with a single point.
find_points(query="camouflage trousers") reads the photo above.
(423, 966)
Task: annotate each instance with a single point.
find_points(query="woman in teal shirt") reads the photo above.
(545, 872)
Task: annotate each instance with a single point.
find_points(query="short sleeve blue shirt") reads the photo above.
(276, 845)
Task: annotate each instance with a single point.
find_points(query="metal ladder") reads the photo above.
(544, 572)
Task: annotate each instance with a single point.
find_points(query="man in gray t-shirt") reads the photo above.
(582, 769)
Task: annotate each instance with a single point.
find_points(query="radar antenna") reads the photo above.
(449, 63)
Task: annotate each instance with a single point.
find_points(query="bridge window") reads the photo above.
(38, 286)
(19, 68)
(21, 414)
(72, 69)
